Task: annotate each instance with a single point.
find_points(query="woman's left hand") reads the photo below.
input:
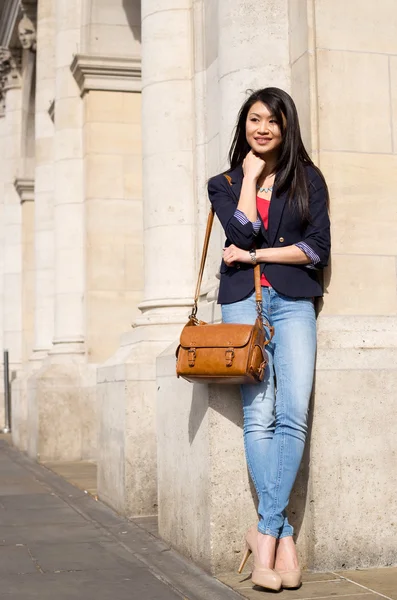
(232, 255)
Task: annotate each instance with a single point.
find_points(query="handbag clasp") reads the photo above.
(191, 356)
(229, 354)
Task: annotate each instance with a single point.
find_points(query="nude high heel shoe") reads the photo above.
(291, 580)
(262, 576)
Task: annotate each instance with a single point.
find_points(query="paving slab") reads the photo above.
(56, 541)
(383, 581)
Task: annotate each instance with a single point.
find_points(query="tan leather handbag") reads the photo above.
(226, 352)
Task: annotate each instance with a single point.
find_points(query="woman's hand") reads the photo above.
(232, 255)
(253, 166)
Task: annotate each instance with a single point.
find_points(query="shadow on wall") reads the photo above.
(133, 13)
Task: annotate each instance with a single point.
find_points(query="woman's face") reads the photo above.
(262, 129)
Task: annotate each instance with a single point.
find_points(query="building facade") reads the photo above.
(114, 114)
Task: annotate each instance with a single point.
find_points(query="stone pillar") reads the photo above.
(40, 56)
(61, 395)
(2, 191)
(126, 383)
(11, 72)
(205, 499)
(44, 182)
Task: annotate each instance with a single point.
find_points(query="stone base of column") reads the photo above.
(347, 478)
(19, 395)
(20, 411)
(127, 431)
(62, 410)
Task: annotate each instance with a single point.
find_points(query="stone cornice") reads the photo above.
(108, 73)
(25, 188)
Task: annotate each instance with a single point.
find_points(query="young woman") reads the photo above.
(273, 206)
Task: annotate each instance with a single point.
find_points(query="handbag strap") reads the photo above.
(257, 272)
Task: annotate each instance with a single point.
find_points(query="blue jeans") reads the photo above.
(275, 411)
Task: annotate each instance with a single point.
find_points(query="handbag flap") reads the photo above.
(223, 335)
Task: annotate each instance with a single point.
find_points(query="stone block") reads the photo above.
(67, 44)
(109, 314)
(112, 138)
(356, 226)
(117, 13)
(366, 283)
(298, 28)
(132, 108)
(69, 145)
(352, 115)
(393, 89)
(302, 83)
(101, 39)
(375, 32)
(352, 478)
(156, 6)
(68, 114)
(127, 461)
(104, 176)
(103, 106)
(243, 45)
(132, 168)
(166, 138)
(170, 36)
(62, 412)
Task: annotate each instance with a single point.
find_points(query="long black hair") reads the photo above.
(293, 157)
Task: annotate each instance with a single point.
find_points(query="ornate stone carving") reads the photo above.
(27, 33)
(10, 68)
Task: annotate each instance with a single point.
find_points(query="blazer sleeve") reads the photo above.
(240, 232)
(317, 235)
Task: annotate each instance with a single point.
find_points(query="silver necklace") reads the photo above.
(264, 189)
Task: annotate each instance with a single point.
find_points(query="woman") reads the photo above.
(273, 206)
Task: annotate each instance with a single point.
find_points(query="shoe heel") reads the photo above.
(247, 553)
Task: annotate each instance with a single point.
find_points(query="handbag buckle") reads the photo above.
(229, 354)
(191, 356)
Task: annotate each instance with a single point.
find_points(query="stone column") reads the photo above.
(44, 181)
(2, 191)
(10, 68)
(205, 499)
(127, 385)
(24, 185)
(62, 419)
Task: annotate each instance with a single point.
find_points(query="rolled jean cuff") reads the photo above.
(267, 531)
(286, 534)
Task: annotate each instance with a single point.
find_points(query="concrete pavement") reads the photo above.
(59, 543)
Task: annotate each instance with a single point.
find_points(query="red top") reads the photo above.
(262, 207)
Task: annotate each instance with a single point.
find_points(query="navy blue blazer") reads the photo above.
(284, 229)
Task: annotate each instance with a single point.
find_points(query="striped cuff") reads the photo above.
(244, 220)
(309, 253)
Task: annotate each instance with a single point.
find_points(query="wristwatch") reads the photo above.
(252, 254)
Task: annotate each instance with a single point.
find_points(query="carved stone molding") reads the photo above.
(107, 73)
(10, 68)
(25, 188)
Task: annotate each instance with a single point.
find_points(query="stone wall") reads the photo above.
(108, 186)
(205, 499)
